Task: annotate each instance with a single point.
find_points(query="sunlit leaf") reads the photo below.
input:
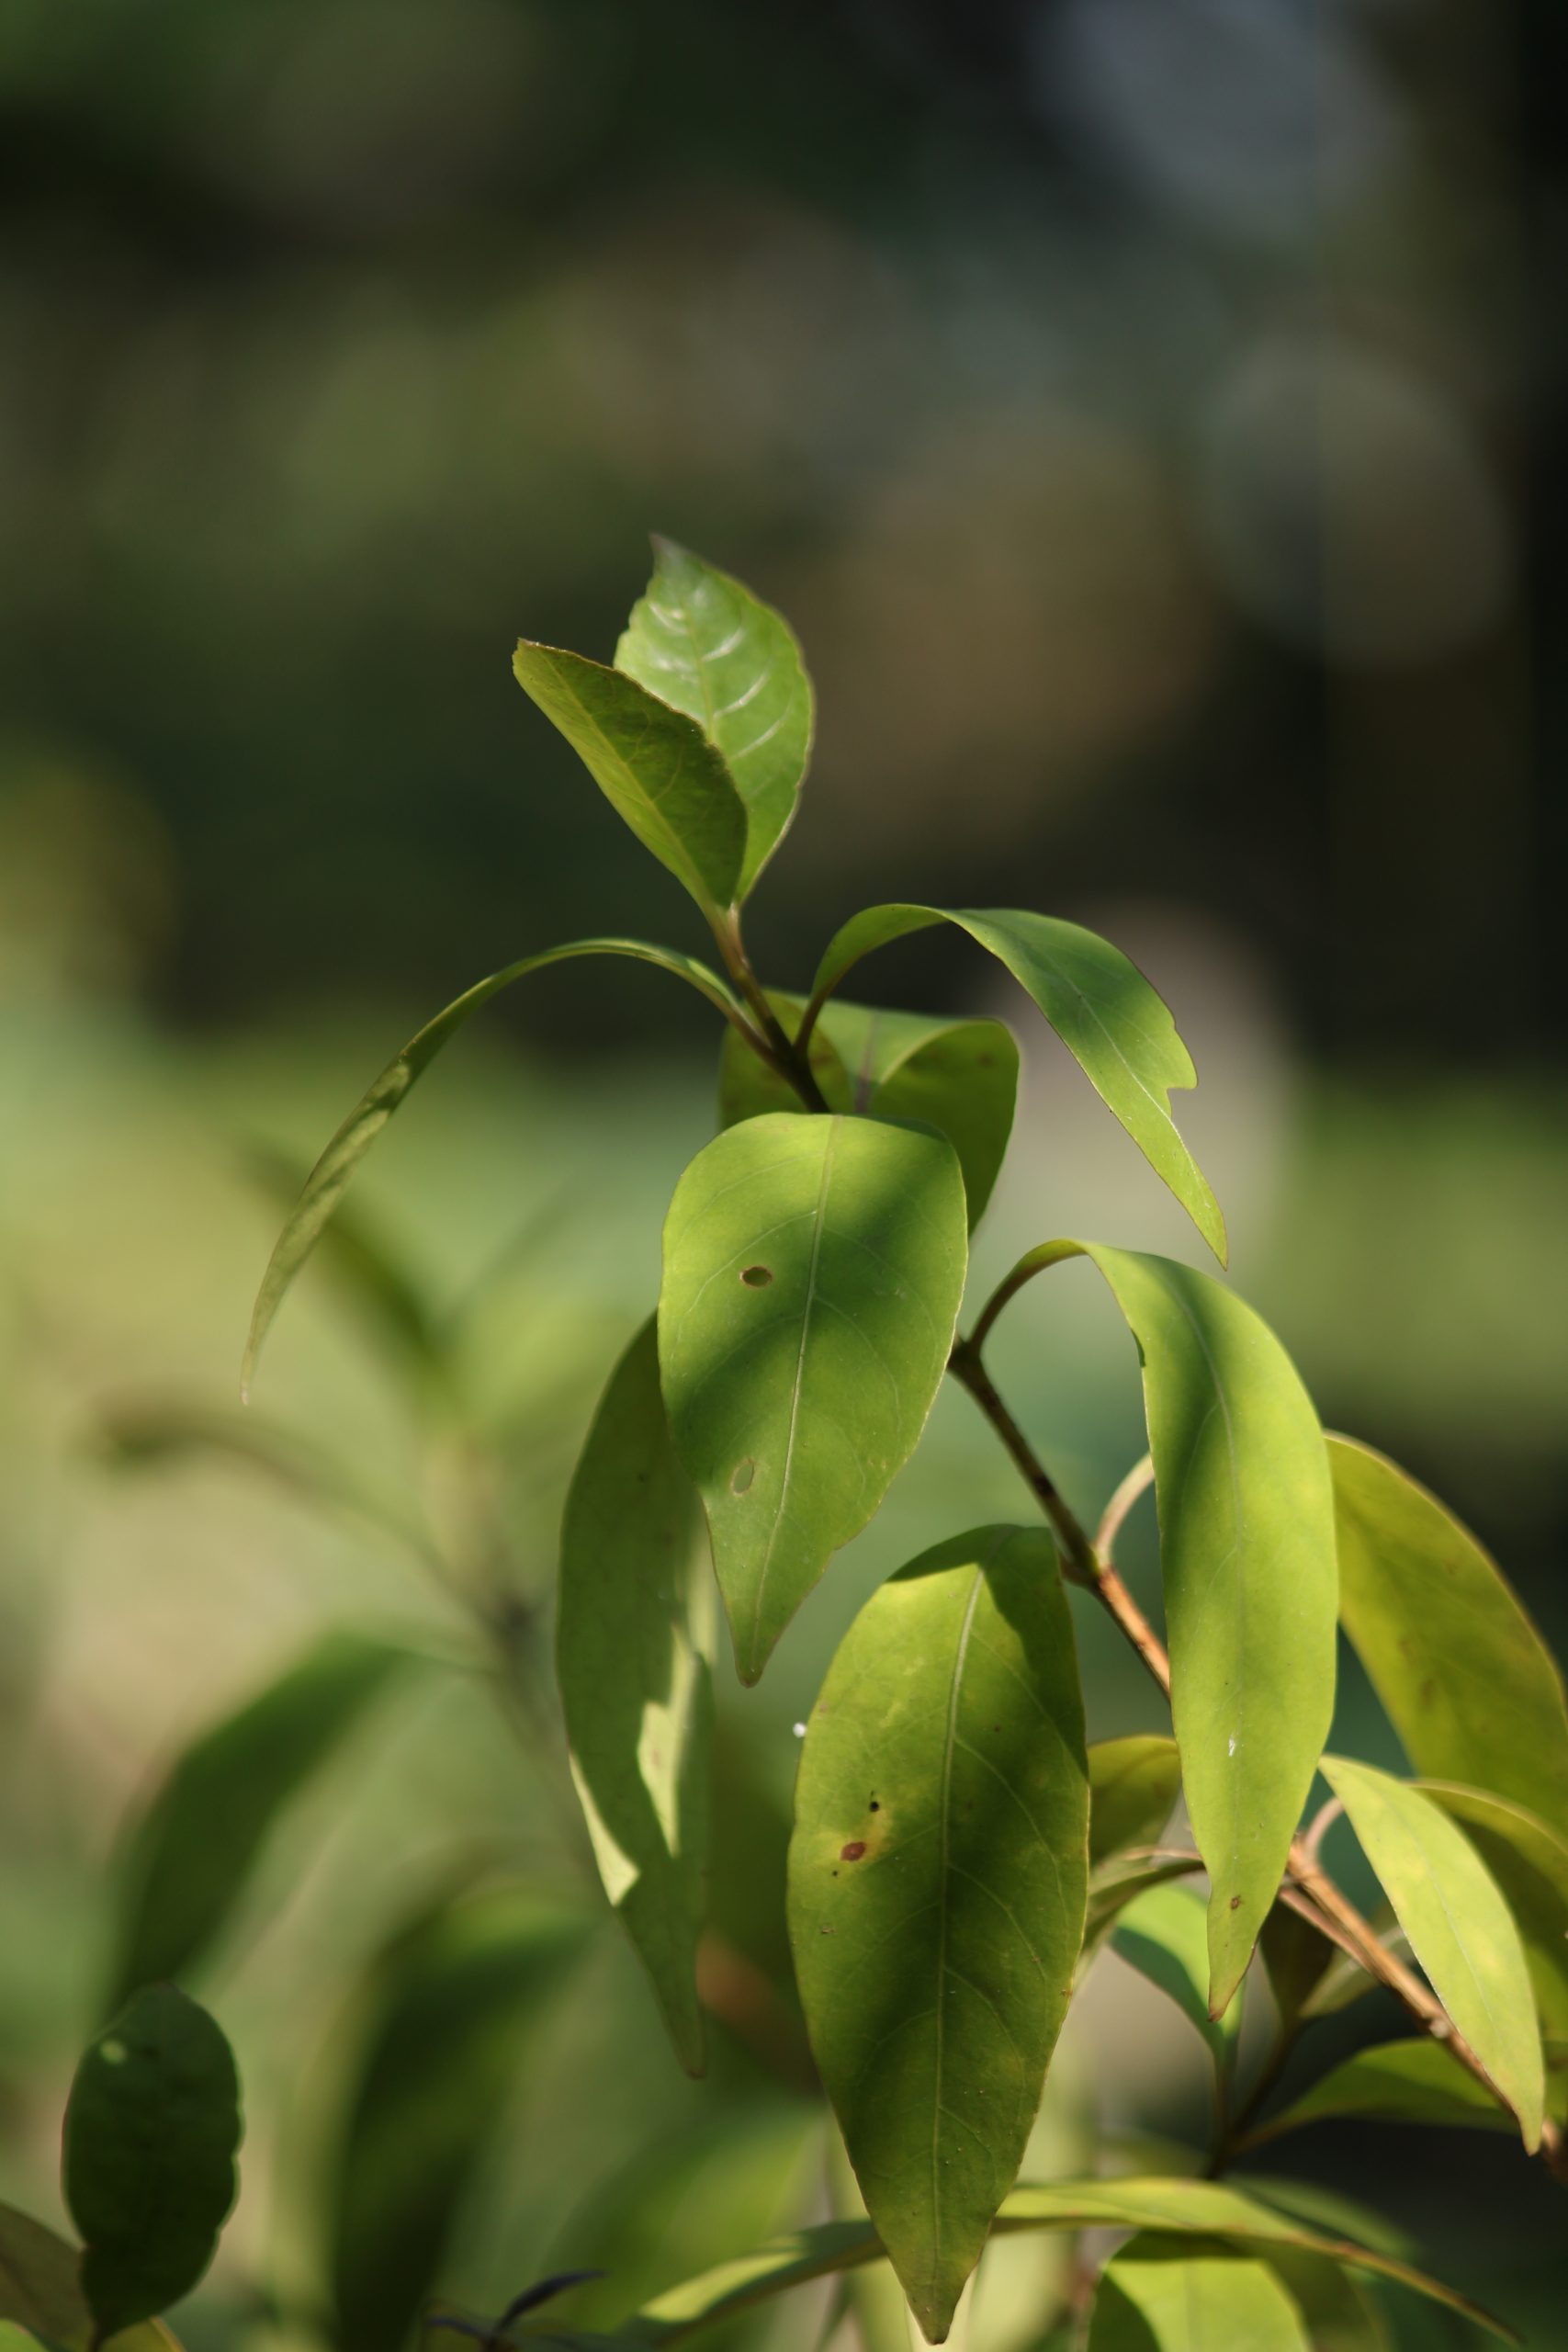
(1119, 1880)
(1247, 1563)
(813, 1269)
(150, 2130)
(328, 1179)
(700, 640)
(1441, 1635)
(1340, 2311)
(937, 1881)
(367, 1269)
(1101, 1006)
(1164, 2294)
(1458, 1926)
(41, 2290)
(1133, 1785)
(1529, 1862)
(1163, 1934)
(634, 1646)
(1399, 2082)
(653, 764)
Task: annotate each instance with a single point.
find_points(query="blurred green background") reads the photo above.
(1149, 413)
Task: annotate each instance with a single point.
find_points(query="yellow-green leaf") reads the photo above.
(1399, 2082)
(1162, 1934)
(1166, 2295)
(1133, 1785)
(1529, 1862)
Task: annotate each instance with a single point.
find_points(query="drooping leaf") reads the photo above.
(446, 2017)
(1165, 2294)
(958, 1075)
(329, 1179)
(701, 641)
(150, 2130)
(813, 1269)
(937, 1879)
(1399, 2082)
(1133, 1785)
(1163, 1934)
(1298, 1957)
(653, 764)
(634, 1648)
(1099, 1004)
(1529, 1862)
(1440, 1634)
(1458, 1926)
(369, 1269)
(41, 2290)
(190, 1856)
(1247, 1564)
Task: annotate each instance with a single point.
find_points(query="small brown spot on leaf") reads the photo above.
(756, 1277)
(853, 1851)
(1235, 1903)
(875, 1806)
(741, 1475)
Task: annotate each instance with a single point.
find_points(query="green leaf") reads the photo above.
(702, 642)
(150, 2130)
(1298, 1958)
(813, 1269)
(1440, 1634)
(1399, 2082)
(447, 2015)
(1099, 1004)
(1162, 1934)
(41, 2290)
(189, 1857)
(1529, 1862)
(653, 764)
(1246, 1559)
(937, 1882)
(1341, 2314)
(1119, 1880)
(1458, 1926)
(1133, 1785)
(329, 1179)
(634, 1648)
(1164, 2294)
(960, 1077)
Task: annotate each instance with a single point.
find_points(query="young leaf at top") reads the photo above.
(1459, 1926)
(634, 1646)
(190, 1856)
(653, 764)
(1246, 1560)
(1162, 2294)
(937, 1879)
(329, 1179)
(958, 1075)
(150, 2130)
(1417, 2081)
(1162, 1934)
(1099, 1004)
(41, 2290)
(813, 1269)
(1529, 1862)
(1133, 1785)
(700, 640)
(1441, 1637)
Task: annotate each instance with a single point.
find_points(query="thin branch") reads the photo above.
(771, 1042)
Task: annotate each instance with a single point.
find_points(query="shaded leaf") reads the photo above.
(1133, 1785)
(328, 1179)
(1163, 1934)
(1440, 1634)
(634, 1646)
(937, 1879)
(1247, 1564)
(701, 641)
(1099, 1004)
(1164, 2294)
(1341, 2312)
(189, 1857)
(1298, 1958)
(150, 2130)
(41, 2290)
(1529, 1863)
(813, 1269)
(1113, 1883)
(1399, 2082)
(653, 764)
(1458, 1926)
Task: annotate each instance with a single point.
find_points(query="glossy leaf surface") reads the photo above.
(190, 1857)
(634, 1646)
(150, 2130)
(1133, 1785)
(1399, 2082)
(700, 640)
(1247, 1564)
(1118, 1029)
(653, 764)
(1163, 1934)
(330, 1177)
(937, 1879)
(41, 2290)
(1162, 2294)
(813, 1269)
(1458, 1926)
(1529, 1863)
(1441, 1635)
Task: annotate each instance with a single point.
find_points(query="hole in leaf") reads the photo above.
(756, 1277)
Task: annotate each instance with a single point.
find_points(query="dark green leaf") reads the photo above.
(329, 1179)
(1164, 2294)
(701, 641)
(1440, 1634)
(1297, 1957)
(1458, 1926)
(937, 1881)
(653, 764)
(634, 1646)
(150, 2130)
(1247, 1558)
(189, 1857)
(1101, 1006)
(1529, 1862)
(41, 2290)
(447, 2014)
(1399, 2082)
(1133, 1785)
(1162, 1933)
(813, 1269)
